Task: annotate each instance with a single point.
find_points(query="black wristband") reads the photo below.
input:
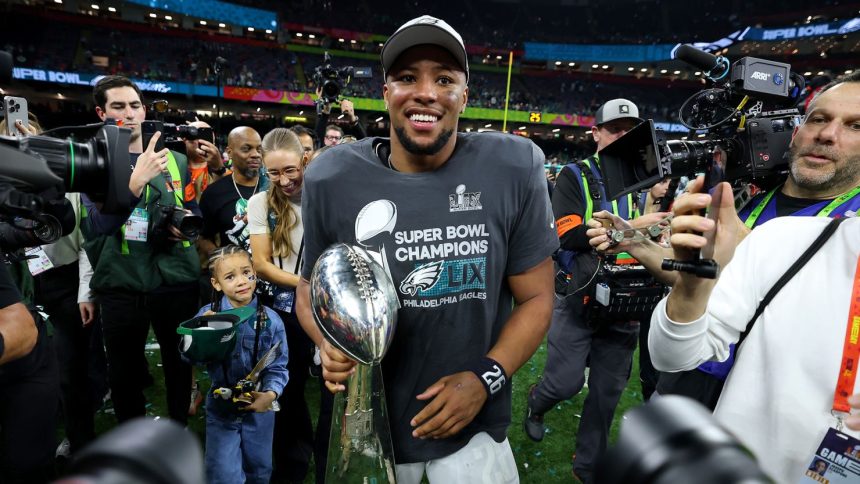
(491, 375)
(219, 171)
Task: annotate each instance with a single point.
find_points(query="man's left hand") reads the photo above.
(456, 399)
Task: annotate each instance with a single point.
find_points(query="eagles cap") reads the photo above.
(616, 109)
(424, 30)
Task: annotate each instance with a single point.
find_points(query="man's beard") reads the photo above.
(248, 172)
(411, 146)
(842, 175)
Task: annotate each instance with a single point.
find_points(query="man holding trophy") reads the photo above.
(461, 225)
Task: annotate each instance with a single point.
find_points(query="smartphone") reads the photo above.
(16, 110)
(148, 129)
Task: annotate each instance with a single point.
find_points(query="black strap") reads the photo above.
(594, 186)
(299, 256)
(794, 269)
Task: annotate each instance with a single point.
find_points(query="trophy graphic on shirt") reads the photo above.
(355, 306)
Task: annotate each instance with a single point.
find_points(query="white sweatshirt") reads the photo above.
(778, 396)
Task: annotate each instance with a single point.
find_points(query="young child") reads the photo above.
(239, 439)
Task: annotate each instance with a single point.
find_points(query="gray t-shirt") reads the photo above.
(449, 238)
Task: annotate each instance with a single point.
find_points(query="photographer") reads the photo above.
(578, 338)
(821, 188)
(204, 162)
(779, 398)
(331, 134)
(145, 269)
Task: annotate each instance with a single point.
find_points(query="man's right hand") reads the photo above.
(209, 152)
(149, 164)
(336, 367)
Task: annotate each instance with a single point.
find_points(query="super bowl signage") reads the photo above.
(28, 74)
(815, 30)
(82, 79)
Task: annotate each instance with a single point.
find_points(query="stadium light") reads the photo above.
(110, 9)
(202, 22)
(301, 112)
(312, 36)
(807, 73)
(58, 1)
(849, 71)
(521, 128)
(556, 130)
(168, 17)
(250, 29)
(489, 125)
(631, 69)
(352, 41)
(697, 73)
(299, 34)
(663, 71)
(604, 66)
(498, 57)
(820, 73)
(222, 25)
(268, 31)
(677, 72)
(571, 64)
(378, 119)
(341, 40)
(258, 110)
(151, 14)
(644, 69)
(94, 7)
(558, 63)
(594, 66)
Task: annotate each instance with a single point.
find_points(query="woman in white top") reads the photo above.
(275, 226)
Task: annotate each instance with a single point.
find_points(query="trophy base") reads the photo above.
(360, 449)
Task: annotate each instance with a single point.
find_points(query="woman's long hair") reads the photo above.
(282, 139)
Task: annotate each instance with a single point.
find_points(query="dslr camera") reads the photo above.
(331, 80)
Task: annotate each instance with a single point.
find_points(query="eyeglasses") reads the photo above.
(288, 172)
(333, 138)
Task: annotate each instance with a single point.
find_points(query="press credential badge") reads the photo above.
(137, 225)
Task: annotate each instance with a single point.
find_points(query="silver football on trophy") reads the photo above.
(354, 302)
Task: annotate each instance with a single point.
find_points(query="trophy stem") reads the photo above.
(360, 449)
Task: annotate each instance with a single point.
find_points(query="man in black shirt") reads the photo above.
(225, 203)
(30, 388)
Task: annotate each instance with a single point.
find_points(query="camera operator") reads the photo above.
(205, 163)
(814, 189)
(61, 274)
(141, 277)
(578, 338)
(331, 134)
(779, 398)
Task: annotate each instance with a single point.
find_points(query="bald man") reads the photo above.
(204, 161)
(225, 202)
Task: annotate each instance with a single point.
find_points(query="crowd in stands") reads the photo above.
(103, 51)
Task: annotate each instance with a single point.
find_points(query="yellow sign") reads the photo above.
(534, 117)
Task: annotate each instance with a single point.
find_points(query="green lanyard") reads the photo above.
(824, 212)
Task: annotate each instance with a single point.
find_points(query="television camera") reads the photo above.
(745, 125)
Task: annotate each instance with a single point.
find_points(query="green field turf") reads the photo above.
(545, 462)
